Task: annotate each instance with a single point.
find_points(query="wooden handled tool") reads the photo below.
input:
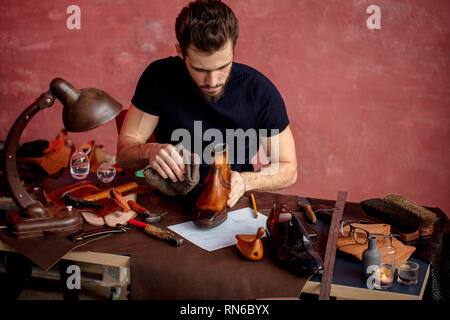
(158, 233)
(138, 208)
(148, 217)
(308, 211)
(106, 193)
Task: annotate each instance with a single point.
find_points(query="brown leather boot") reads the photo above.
(211, 205)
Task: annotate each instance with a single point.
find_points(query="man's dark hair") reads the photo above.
(207, 25)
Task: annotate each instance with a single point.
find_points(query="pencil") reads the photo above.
(254, 205)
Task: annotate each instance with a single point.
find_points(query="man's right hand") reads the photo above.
(166, 160)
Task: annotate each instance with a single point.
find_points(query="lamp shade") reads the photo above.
(84, 109)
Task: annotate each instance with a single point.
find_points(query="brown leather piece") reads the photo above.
(55, 157)
(349, 246)
(109, 206)
(116, 195)
(115, 202)
(77, 190)
(121, 216)
(45, 252)
(92, 218)
(112, 200)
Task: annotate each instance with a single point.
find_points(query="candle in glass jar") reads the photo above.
(385, 276)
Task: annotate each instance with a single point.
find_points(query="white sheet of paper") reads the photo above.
(241, 221)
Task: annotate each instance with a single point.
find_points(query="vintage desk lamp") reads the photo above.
(84, 110)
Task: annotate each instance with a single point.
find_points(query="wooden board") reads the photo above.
(330, 252)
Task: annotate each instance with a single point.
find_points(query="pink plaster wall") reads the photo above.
(369, 108)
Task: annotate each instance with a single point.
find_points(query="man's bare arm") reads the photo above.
(280, 173)
(282, 170)
(134, 153)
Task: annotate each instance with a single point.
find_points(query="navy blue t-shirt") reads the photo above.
(250, 106)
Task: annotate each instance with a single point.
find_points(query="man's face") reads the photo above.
(209, 71)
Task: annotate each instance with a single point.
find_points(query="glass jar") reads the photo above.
(106, 172)
(79, 165)
(386, 271)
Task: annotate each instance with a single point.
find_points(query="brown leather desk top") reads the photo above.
(161, 271)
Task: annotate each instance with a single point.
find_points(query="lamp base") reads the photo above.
(59, 221)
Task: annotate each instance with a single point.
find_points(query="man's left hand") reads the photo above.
(237, 188)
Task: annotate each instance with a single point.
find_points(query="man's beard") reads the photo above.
(212, 98)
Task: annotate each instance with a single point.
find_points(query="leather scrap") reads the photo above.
(121, 217)
(349, 245)
(92, 218)
(110, 206)
(115, 202)
(116, 195)
(114, 218)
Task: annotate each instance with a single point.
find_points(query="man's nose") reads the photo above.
(212, 79)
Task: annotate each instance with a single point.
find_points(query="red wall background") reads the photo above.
(369, 108)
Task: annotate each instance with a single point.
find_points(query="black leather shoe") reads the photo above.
(290, 242)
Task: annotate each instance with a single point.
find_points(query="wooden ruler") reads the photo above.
(330, 252)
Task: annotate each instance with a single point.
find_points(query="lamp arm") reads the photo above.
(30, 207)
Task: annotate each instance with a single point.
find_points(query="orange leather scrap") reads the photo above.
(349, 245)
(55, 158)
(115, 202)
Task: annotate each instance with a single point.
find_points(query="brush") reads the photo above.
(400, 219)
(426, 217)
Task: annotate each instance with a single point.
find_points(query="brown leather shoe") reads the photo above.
(211, 205)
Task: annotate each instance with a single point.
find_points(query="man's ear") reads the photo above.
(179, 51)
